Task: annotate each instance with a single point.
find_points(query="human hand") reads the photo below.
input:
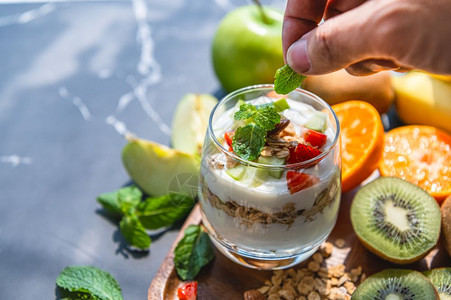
(367, 36)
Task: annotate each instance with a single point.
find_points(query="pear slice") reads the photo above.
(160, 170)
(190, 122)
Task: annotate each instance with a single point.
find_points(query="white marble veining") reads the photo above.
(15, 160)
(119, 126)
(77, 101)
(27, 16)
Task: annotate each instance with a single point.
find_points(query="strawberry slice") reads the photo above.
(297, 181)
(188, 291)
(228, 136)
(302, 153)
(315, 138)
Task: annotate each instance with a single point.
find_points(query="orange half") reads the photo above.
(421, 155)
(362, 138)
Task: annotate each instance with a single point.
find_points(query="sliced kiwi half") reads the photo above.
(441, 279)
(396, 219)
(396, 284)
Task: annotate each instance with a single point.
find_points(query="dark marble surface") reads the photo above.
(73, 74)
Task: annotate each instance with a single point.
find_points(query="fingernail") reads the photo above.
(297, 56)
(378, 68)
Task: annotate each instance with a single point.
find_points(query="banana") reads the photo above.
(423, 99)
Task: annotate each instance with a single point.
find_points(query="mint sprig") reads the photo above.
(134, 232)
(86, 282)
(249, 140)
(287, 80)
(137, 216)
(163, 211)
(192, 252)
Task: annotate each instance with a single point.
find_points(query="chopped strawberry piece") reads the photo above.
(302, 153)
(297, 181)
(228, 136)
(188, 291)
(315, 138)
(292, 158)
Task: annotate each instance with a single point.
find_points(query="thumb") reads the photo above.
(337, 43)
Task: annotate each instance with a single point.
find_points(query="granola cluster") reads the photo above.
(314, 282)
(249, 216)
(280, 140)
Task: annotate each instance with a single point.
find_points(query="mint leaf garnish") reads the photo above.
(109, 202)
(192, 252)
(248, 141)
(86, 279)
(163, 211)
(246, 111)
(266, 118)
(287, 80)
(134, 232)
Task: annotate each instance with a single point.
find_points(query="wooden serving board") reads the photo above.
(224, 279)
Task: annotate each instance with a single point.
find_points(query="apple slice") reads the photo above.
(254, 176)
(236, 172)
(191, 122)
(158, 169)
(317, 122)
(272, 160)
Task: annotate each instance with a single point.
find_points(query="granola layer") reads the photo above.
(287, 215)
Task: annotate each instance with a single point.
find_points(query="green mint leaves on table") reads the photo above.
(250, 139)
(137, 216)
(192, 252)
(86, 282)
(287, 80)
(134, 232)
(164, 211)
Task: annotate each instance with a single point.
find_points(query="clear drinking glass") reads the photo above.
(257, 222)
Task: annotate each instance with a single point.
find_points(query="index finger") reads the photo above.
(300, 17)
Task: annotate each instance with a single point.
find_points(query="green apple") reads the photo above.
(159, 170)
(247, 47)
(191, 121)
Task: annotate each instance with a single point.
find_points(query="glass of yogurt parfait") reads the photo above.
(270, 181)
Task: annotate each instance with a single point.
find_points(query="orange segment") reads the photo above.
(362, 138)
(421, 155)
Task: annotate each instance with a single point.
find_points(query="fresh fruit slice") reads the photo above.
(302, 153)
(228, 136)
(297, 181)
(362, 139)
(272, 160)
(188, 291)
(395, 219)
(317, 122)
(423, 99)
(315, 138)
(421, 155)
(446, 224)
(281, 104)
(191, 122)
(237, 172)
(441, 279)
(254, 177)
(395, 284)
(156, 168)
